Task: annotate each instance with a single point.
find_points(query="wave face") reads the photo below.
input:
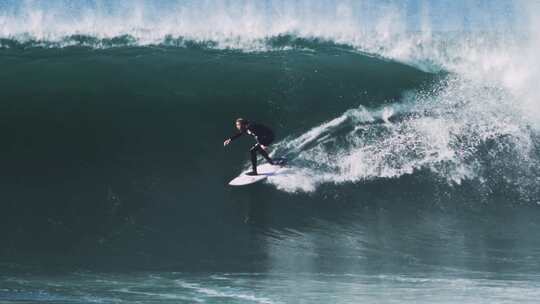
(410, 139)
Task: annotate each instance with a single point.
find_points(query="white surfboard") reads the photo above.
(264, 170)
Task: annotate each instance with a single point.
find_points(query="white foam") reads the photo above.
(215, 293)
(442, 131)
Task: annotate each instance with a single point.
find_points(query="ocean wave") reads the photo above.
(489, 97)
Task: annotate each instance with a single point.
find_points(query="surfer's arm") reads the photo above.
(235, 136)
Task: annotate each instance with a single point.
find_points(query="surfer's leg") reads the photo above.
(266, 142)
(253, 152)
(265, 155)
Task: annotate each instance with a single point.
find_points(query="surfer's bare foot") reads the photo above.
(252, 173)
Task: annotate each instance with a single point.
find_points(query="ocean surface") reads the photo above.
(411, 129)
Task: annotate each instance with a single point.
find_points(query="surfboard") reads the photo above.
(264, 170)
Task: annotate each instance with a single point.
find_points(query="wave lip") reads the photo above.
(387, 30)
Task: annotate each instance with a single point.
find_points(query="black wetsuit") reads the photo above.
(263, 135)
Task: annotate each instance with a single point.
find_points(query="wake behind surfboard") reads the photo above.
(264, 170)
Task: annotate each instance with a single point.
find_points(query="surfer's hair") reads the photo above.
(242, 122)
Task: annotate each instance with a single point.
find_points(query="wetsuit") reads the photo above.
(263, 135)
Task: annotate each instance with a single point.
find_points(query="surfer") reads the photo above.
(262, 134)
